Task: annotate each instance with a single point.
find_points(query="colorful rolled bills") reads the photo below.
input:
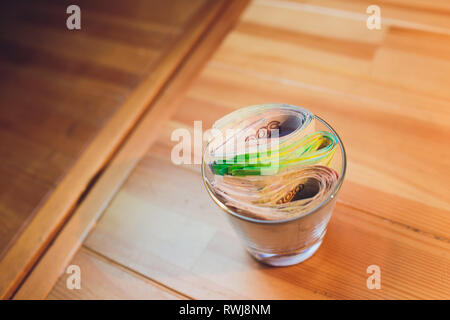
(269, 162)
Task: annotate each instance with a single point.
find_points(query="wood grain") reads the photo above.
(379, 167)
(52, 263)
(142, 74)
(162, 224)
(103, 280)
(417, 15)
(386, 93)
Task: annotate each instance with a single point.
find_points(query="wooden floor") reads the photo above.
(57, 94)
(64, 92)
(386, 92)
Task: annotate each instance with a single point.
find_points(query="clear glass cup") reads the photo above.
(293, 240)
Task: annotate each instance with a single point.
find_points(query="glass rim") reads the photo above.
(310, 211)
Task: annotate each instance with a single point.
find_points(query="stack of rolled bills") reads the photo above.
(268, 161)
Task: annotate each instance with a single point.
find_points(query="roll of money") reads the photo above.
(268, 161)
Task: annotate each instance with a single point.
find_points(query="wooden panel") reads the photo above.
(52, 263)
(100, 279)
(402, 66)
(162, 224)
(69, 76)
(13, 212)
(379, 168)
(301, 18)
(419, 15)
(186, 245)
(35, 159)
(393, 210)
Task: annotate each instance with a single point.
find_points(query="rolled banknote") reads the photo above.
(268, 162)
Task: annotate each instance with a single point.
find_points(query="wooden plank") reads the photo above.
(417, 73)
(52, 264)
(52, 106)
(59, 88)
(383, 216)
(148, 33)
(54, 212)
(185, 242)
(173, 13)
(84, 47)
(378, 168)
(418, 15)
(287, 15)
(403, 67)
(332, 45)
(31, 157)
(393, 210)
(313, 80)
(300, 53)
(37, 123)
(20, 193)
(102, 279)
(23, 79)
